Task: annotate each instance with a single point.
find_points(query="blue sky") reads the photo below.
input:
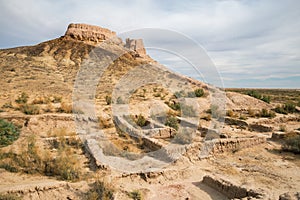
(252, 43)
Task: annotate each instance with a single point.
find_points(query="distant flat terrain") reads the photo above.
(277, 95)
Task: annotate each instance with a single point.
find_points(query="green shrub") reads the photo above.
(135, 195)
(286, 108)
(65, 166)
(29, 109)
(179, 94)
(266, 113)
(174, 105)
(254, 94)
(141, 120)
(199, 92)
(289, 107)
(172, 122)
(191, 94)
(7, 105)
(23, 98)
(32, 160)
(266, 99)
(257, 95)
(292, 144)
(8, 133)
(9, 167)
(100, 190)
(215, 111)
(280, 109)
(188, 111)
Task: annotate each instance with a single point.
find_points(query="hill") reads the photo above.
(98, 111)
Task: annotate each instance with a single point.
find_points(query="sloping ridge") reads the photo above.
(51, 67)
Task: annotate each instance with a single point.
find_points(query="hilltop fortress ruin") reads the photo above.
(95, 35)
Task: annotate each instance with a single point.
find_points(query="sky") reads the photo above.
(252, 43)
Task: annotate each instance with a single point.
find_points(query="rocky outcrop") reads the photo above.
(229, 189)
(96, 34)
(136, 45)
(85, 32)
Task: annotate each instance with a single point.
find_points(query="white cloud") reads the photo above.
(252, 38)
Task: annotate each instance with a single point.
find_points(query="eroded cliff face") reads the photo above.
(95, 35)
(86, 32)
(136, 45)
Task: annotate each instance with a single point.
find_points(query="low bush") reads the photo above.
(280, 110)
(100, 190)
(7, 105)
(174, 105)
(32, 160)
(292, 144)
(257, 95)
(172, 122)
(9, 167)
(266, 99)
(141, 121)
(266, 113)
(188, 111)
(289, 107)
(29, 109)
(22, 99)
(8, 133)
(286, 108)
(65, 166)
(199, 92)
(215, 111)
(180, 94)
(135, 195)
